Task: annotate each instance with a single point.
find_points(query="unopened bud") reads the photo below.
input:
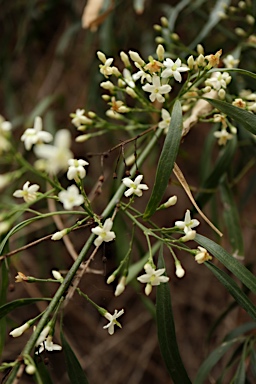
(189, 236)
(200, 49)
(240, 32)
(57, 275)
(191, 62)
(20, 330)
(120, 286)
(101, 57)
(164, 21)
(200, 60)
(125, 59)
(136, 57)
(111, 279)
(148, 289)
(180, 272)
(130, 92)
(59, 235)
(222, 94)
(250, 19)
(160, 52)
(30, 369)
(107, 85)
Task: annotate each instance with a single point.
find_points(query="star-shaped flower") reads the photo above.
(166, 119)
(104, 233)
(152, 277)
(113, 321)
(79, 119)
(188, 223)
(156, 89)
(71, 197)
(29, 193)
(76, 169)
(223, 136)
(55, 156)
(35, 135)
(219, 80)
(135, 188)
(174, 69)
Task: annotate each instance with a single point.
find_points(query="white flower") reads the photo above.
(142, 75)
(104, 233)
(187, 224)
(134, 186)
(113, 321)
(56, 156)
(20, 330)
(35, 135)
(230, 61)
(218, 80)
(79, 119)
(76, 169)
(105, 68)
(174, 69)
(71, 197)
(128, 78)
(156, 89)
(166, 119)
(29, 193)
(47, 344)
(202, 255)
(223, 136)
(152, 277)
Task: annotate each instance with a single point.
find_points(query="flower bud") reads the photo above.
(171, 201)
(148, 289)
(200, 49)
(57, 275)
(160, 52)
(130, 92)
(120, 286)
(222, 94)
(180, 272)
(191, 62)
(101, 57)
(107, 85)
(200, 60)
(136, 57)
(20, 330)
(111, 278)
(30, 369)
(164, 21)
(59, 235)
(240, 32)
(125, 59)
(189, 236)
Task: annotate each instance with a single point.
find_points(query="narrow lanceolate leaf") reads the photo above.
(234, 266)
(43, 373)
(6, 308)
(166, 161)
(212, 360)
(241, 116)
(234, 290)
(75, 371)
(166, 333)
(231, 217)
(220, 168)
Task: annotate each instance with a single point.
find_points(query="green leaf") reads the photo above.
(244, 328)
(243, 117)
(166, 333)
(238, 269)
(212, 360)
(75, 371)
(233, 289)
(6, 308)
(231, 217)
(220, 168)
(166, 161)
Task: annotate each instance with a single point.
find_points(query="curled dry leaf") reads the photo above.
(91, 16)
